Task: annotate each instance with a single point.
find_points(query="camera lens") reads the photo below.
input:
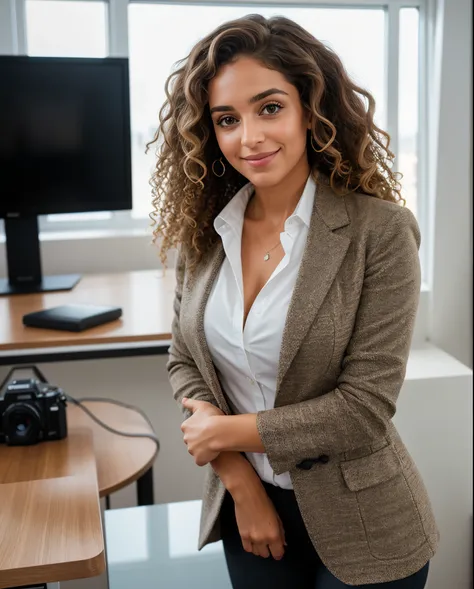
(21, 424)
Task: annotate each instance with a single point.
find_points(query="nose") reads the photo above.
(252, 133)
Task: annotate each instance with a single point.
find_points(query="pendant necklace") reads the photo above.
(266, 257)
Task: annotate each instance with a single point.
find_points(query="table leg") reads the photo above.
(145, 495)
(105, 550)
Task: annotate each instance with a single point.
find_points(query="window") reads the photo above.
(64, 28)
(408, 104)
(55, 28)
(160, 34)
(155, 35)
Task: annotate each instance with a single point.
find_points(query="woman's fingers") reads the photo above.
(247, 545)
(277, 550)
(261, 550)
(282, 532)
(259, 525)
(273, 545)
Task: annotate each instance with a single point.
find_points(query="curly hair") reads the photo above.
(344, 144)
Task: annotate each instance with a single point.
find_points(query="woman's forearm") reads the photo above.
(236, 472)
(236, 433)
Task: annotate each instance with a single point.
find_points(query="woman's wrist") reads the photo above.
(235, 433)
(246, 487)
(236, 473)
(217, 433)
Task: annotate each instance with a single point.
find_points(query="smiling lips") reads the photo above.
(261, 159)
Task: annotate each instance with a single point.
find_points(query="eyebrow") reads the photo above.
(252, 100)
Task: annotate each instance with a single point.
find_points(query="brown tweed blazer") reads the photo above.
(342, 364)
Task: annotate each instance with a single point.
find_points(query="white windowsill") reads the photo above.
(95, 234)
(428, 361)
(80, 234)
(112, 234)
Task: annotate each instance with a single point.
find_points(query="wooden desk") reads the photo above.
(50, 528)
(50, 523)
(120, 460)
(146, 298)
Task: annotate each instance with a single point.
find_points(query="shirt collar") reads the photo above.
(233, 213)
(304, 208)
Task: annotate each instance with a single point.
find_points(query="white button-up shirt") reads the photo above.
(247, 359)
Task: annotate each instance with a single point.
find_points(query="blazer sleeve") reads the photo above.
(359, 409)
(184, 375)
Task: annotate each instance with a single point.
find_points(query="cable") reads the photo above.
(79, 402)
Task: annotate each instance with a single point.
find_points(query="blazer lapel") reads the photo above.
(322, 258)
(199, 293)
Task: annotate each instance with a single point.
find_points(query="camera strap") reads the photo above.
(37, 372)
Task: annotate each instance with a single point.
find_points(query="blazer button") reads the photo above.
(305, 464)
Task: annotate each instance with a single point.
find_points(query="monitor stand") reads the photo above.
(24, 261)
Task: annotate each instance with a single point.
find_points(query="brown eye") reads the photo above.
(272, 109)
(226, 121)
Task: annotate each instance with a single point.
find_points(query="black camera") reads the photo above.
(32, 411)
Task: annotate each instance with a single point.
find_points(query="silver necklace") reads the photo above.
(266, 257)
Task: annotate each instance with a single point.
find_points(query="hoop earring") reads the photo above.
(312, 145)
(223, 168)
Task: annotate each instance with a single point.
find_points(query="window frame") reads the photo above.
(117, 42)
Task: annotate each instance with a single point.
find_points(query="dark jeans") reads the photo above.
(301, 567)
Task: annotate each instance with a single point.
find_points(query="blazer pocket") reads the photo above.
(388, 512)
(371, 470)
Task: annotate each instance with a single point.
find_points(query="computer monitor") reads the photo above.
(64, 148)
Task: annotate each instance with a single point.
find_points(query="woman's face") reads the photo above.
(259, 121)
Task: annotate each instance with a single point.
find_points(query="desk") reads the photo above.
(156, 548)
(50, 523)
(68, 498)
(120, 460)
(146, 298)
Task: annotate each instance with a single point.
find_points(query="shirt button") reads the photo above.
(251, 380)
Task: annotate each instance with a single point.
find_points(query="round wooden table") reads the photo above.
(120, 460)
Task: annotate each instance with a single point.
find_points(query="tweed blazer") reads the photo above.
(342, 363)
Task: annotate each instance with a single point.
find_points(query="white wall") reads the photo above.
(451, 308)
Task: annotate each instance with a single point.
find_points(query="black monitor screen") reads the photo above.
(64, 135)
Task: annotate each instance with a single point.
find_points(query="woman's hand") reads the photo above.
(260, 526)
(198, 430)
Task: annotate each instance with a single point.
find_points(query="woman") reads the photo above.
(297, 288)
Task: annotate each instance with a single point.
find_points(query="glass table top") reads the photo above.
(155, 547)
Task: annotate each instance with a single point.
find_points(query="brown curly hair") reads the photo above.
(353, 153)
